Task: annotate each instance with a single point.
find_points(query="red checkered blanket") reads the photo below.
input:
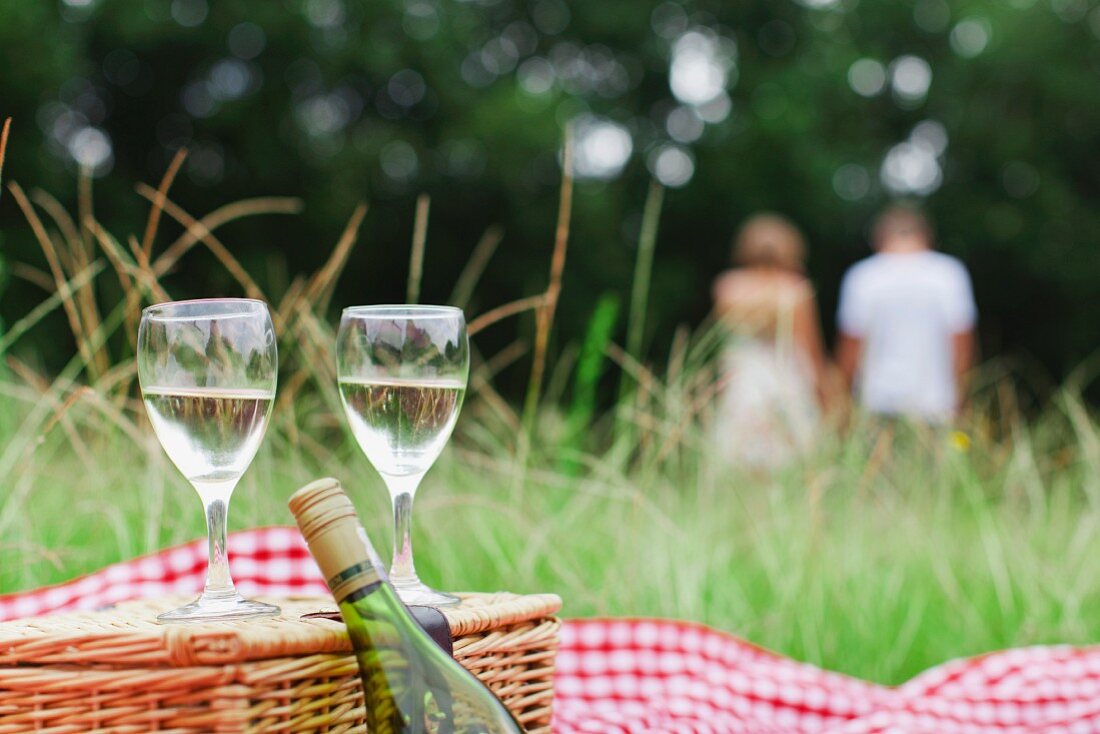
(649, 675)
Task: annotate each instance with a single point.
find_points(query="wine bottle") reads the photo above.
(410, 685)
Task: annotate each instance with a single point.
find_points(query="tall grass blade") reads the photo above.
(81, 248)
(643, 270)
(158, 203)
(504, 311)
(3, 149)
(220, 216)
(221, 252)
(475, 266)
(50, 251)
(323, 283)
(639, 295)
(416, 255)
(544, 317)
(591, 364)
(61, 218)
(39, 312)
(33, 275)
(309, 298)
(135, 282)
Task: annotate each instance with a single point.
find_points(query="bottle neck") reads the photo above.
(372, 590)
(347, 559)
(363, 575)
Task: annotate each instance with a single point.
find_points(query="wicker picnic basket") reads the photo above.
(119, 671)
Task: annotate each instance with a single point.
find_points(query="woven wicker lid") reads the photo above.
(128, 633)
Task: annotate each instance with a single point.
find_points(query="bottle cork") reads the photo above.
(339, 544)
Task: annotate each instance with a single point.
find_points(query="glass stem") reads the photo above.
(215, 497)
(402, 492)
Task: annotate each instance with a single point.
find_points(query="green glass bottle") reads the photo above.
(410, 685)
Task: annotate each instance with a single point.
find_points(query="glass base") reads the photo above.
(207, 609)
(417, 593)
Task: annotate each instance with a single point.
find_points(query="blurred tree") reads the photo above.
(821, 109)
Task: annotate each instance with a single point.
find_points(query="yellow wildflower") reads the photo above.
(959, 440)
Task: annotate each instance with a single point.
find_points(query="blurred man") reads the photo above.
(906, 320)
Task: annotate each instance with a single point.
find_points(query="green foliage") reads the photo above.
(591, 365)
(344, 100)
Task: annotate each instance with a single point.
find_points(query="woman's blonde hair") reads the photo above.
(769, 240)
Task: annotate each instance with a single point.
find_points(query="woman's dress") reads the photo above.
(767, 411)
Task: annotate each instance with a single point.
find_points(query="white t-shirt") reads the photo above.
(906, 307)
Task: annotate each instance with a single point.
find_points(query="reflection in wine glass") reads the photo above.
(207, 370)
(402, 372)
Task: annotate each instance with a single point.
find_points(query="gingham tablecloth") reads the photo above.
(650, 675)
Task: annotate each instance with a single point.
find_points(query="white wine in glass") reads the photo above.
(402, 426)
(211, 435)
(402, 372)
(207, 370)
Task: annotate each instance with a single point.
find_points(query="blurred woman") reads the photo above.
(773, 364)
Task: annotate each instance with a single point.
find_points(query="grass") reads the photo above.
(882, 554)
(875, 561)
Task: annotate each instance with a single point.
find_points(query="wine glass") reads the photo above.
(402, 372)
(207, 370)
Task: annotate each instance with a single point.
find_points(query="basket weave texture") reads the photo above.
(119, 671)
